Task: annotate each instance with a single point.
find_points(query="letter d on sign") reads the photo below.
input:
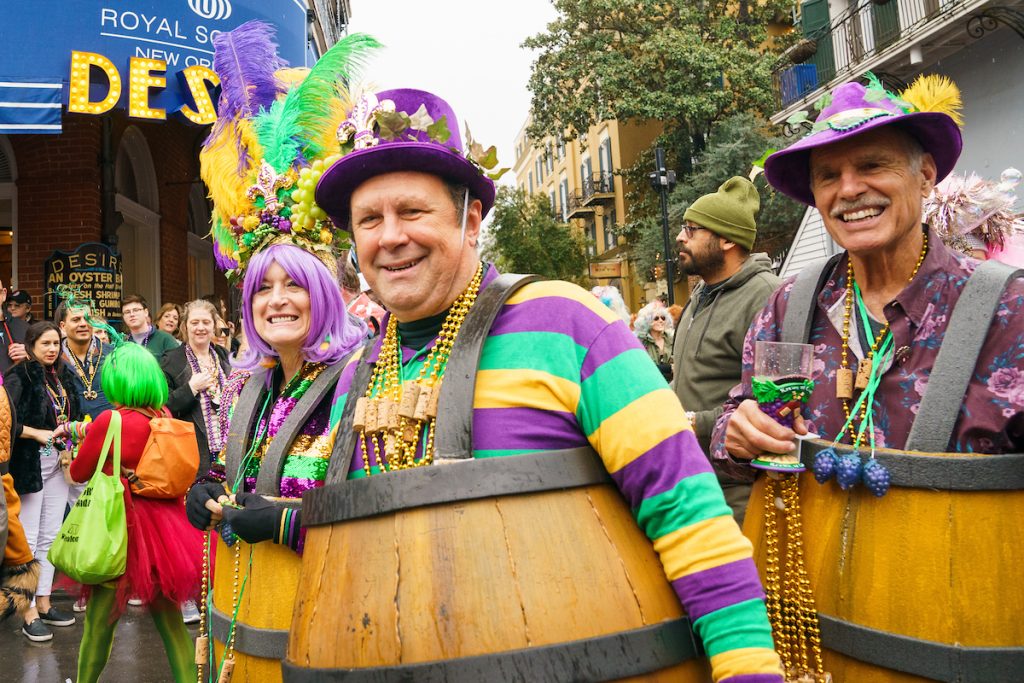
(81, 72)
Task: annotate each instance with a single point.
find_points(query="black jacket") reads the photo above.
(25, 386)
(17, 328)
(185, 405)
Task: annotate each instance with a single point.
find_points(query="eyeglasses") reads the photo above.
(660, 317)
(688, 230)
(132, 311)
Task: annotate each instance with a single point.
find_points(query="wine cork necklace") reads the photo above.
(394, 414)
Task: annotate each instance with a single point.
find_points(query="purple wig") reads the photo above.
(332, 332)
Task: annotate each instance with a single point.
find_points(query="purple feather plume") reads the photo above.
(245, 59)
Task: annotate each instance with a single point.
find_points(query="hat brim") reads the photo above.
(334, 191)
(789, 171)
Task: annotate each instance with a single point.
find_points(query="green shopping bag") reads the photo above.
(92, 546)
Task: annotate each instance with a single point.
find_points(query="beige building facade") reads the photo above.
(579, 179)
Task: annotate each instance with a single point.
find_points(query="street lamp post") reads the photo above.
(663, 181)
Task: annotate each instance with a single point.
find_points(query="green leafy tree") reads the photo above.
(685, 63)
(734, 143)
(525, 237)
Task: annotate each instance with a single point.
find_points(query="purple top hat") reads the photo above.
(423, 146)
(850, 114)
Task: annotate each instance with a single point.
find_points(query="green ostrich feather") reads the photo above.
(289, 130)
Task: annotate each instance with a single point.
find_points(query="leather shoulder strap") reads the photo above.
(453, 432)
(344, 437)
(242, 419)
(958, 356)
(799, 316)
(268, 483)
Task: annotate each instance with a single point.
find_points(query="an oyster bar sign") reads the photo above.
(151, 57)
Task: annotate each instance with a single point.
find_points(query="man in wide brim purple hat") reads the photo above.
(412, 150)
(850, 115)
(545, 364)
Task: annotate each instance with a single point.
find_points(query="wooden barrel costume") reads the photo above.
(264, 610)
(924, 583)
(481, 570)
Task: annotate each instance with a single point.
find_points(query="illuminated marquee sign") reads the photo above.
(152, 58)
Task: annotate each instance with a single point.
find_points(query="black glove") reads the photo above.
(257, 520)
(195, 505)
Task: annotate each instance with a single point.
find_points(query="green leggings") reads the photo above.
(98, 637)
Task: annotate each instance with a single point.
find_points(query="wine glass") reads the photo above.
(782, 385)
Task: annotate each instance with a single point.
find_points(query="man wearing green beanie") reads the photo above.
(714, 244)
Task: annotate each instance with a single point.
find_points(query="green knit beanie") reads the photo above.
(729, 213)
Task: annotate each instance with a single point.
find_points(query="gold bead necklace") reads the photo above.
(844, 376)
(393, 414)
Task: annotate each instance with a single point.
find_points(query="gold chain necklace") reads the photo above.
(845, 383)
(84, 373)
(393, 414)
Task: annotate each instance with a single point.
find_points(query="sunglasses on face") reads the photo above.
(660, 317)
(689, 230)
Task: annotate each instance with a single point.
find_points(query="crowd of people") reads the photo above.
(338, 377)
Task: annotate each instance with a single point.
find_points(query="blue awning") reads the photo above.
(30, 106)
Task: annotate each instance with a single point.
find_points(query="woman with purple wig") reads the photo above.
(275, 243)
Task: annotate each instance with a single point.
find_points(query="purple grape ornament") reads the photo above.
(876, 477)
(848, 469)
(825, 465)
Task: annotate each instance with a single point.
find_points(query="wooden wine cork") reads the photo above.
(863, 374)
(226, 669)
(844, 383)
(202, 650)
(411, 432)
(372, 421)
(387, 413)
(422, 403)
(359, 415)
(435, 394)
(410, 394)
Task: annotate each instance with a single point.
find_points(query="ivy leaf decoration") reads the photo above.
(421, 120)
(496, 175)
(392, 124)
(818, 127)
(438, 130)
(764, 157)
(823, 101)
(798, 118)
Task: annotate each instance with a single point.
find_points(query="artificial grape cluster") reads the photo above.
(305, 214)
(848, 470)
(772, 408)
(876, 477)
(825, 465)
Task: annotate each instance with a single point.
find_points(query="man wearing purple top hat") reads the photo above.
(553, 375)
(868, 163)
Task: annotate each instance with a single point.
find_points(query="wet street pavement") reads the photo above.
(138, 654)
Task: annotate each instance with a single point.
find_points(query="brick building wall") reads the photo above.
(59, 195)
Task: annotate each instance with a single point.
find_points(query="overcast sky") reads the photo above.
(466, 51)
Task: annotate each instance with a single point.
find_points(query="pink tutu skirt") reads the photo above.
(165, 553)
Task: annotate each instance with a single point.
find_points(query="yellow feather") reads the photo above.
(218, 163)
(935, 93)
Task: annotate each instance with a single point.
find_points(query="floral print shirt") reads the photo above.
(992, 417)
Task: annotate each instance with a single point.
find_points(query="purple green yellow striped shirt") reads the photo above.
(559, 370)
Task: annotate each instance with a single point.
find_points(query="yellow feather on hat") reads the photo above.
(218, 164)
(935, 93)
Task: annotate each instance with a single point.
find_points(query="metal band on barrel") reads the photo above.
(268, 643)
(453, 481)
(945, 472)
(926, 658)
(619, 655)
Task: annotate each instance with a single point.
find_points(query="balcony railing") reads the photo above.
(856, 36)
(597, 188)
(577, 209)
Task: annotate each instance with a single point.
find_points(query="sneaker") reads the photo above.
(37, 631)
(189, 612)
(79, 605)
(135, 602)
(57, 618)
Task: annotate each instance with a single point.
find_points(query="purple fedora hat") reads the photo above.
(378, 139)
(851, 112)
